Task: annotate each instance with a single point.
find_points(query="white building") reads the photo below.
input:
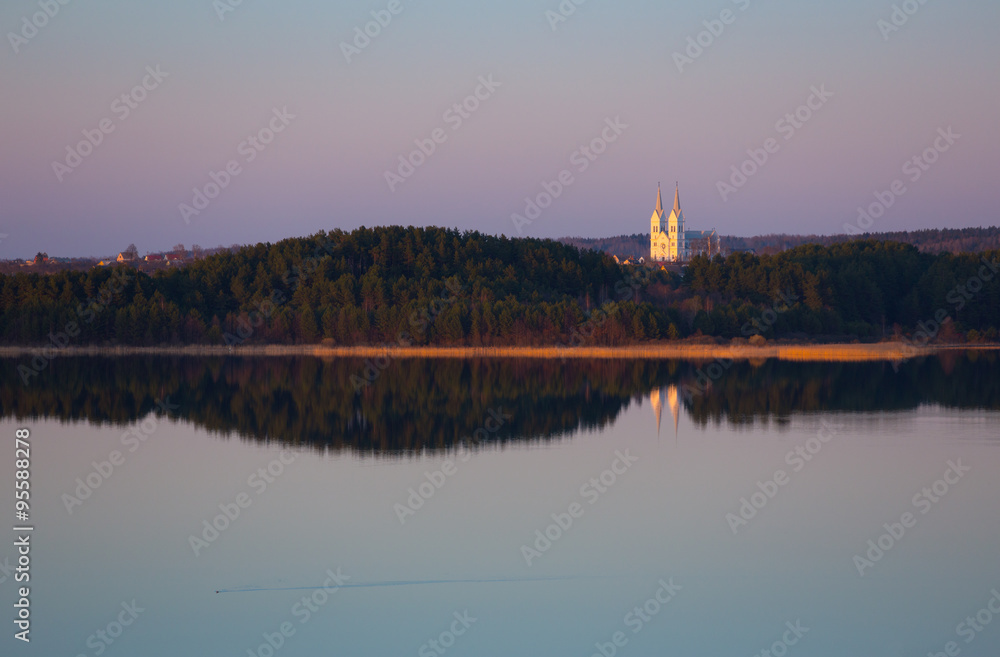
(669, 241)
(666, 239)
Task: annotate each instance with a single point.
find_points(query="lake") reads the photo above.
(299, 506)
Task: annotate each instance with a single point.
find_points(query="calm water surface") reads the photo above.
(747, 508)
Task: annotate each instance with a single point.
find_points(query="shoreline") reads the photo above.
(880, 351)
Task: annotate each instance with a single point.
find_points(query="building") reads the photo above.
(669, 239)
(666, 239)
(707, 242)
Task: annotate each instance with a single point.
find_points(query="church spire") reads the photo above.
(677, 199)
(659, 200)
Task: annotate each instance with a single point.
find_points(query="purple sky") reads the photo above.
(558, 83)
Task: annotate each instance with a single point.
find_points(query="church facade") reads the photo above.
(669, 239)
(666, 239)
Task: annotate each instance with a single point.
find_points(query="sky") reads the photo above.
(120, 119)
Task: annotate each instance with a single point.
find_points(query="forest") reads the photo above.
(420, 286)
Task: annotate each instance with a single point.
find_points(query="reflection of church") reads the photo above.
(672, 398)
(670, 241)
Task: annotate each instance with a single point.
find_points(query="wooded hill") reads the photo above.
(395, 285)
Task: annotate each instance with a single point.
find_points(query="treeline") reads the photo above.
(935, 240)
(624, 246)
(419, 286)
(867, 289)
(387, 285)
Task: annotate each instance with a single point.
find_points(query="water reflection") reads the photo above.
(672, 398)
(420, 405)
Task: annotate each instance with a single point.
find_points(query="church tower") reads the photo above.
(667, 238)
(657, 228)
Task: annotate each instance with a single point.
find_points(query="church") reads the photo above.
(670, 241)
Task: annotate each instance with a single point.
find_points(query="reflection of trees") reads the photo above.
(413, 404)
(775, 389)
(432, 404)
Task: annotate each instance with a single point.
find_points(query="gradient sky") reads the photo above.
(608, 59)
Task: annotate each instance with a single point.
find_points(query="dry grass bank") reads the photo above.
(816, 353)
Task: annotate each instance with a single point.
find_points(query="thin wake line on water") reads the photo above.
(421, 582)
